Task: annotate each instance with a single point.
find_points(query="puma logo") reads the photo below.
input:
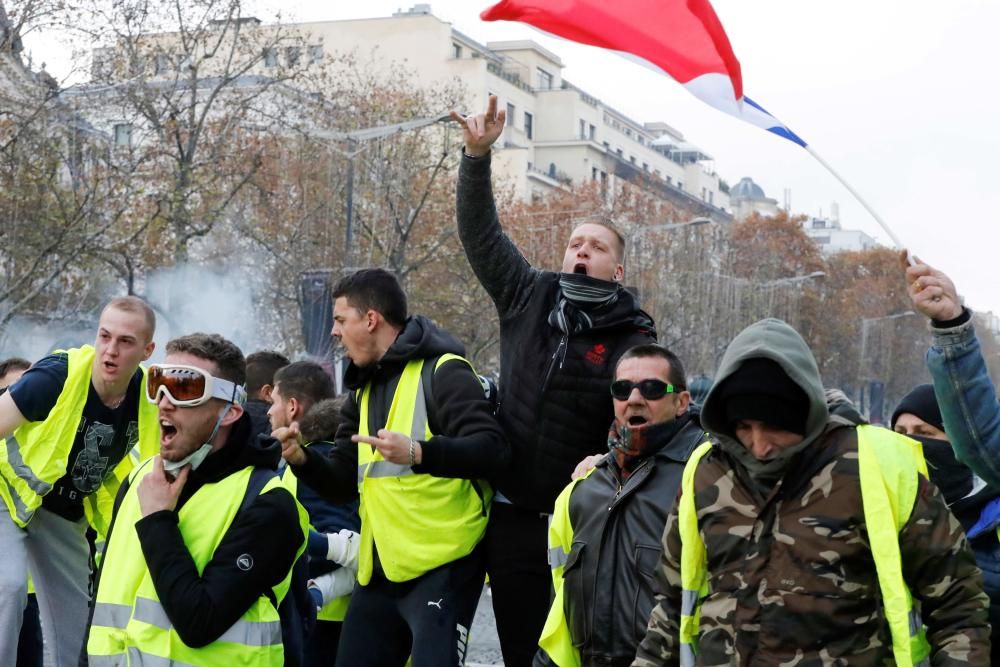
(431, 603)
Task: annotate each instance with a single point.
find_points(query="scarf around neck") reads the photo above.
(579, 295)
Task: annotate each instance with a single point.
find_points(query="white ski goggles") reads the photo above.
(188, 386)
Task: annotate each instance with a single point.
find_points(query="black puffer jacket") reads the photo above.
(554, 400)
(617, 526)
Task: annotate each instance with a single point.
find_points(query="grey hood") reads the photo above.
(775, 340)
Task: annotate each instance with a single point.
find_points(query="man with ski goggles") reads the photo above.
(186, 550)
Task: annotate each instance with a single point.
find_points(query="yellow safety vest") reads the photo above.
(418, 521)
(130, 626)
(335, 609)
(556, 639)
(888, 467)
(36, 455)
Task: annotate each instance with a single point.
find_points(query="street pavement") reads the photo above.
(484, 646)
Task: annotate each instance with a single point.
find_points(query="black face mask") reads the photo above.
(962, 490)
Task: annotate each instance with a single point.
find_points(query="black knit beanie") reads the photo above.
(920, 402)
(760, 390)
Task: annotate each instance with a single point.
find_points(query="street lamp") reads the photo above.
(638, 231)
(868, 379)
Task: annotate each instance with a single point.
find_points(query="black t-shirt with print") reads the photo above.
(103, 437)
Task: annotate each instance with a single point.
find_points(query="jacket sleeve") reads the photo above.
(471, 444)
(334, 476)
(202, 607)
(967, 398)
(501, 268)
(661, 645)
(941, 572)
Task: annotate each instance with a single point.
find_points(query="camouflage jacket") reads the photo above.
(791, 577)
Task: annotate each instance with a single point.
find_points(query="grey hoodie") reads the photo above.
(775, 340)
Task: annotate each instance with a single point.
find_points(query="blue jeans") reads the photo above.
(968, 400)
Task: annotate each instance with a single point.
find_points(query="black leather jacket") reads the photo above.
(617, 531)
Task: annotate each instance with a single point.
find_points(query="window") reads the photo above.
(704, 194)
(711, 197)
(593, 133)
(593, 173)
(292, 55)
(315, 54)
(270, 57)
(162, 63)
(544, 79)
(123, 134)
(456, 50)
(510, 114)
(528, 127)
(583, 129)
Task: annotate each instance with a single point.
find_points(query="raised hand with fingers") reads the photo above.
(481, 130)
(932, 292)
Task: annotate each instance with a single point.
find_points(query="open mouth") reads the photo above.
(637, 420)
(109, 366)
(167, 431)
(580, 268)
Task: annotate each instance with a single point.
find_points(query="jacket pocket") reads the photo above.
(646, 560)
(575, 605)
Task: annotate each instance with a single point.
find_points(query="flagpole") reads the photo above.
(895, 239)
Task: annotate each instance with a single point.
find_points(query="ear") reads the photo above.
(235, 412)
(294, 409)
(148, 350)
(371, 320)
(619, 273)
(265, 392)
(683, 402)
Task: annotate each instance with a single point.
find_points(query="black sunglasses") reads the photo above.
(651, 390)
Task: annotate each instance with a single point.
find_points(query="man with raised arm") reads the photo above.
(561, 335)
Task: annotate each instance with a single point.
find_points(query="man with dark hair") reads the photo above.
(11, 370)
(187, 577)
(560, 337)
(424, 440)
(69, 425)
(261, 367)
(604, 540)
(800, 537)
(298, 389)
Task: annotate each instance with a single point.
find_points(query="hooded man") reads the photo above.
(604, 542)
(772, 558)
(416, 444)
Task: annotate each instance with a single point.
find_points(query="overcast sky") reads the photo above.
(900, 97)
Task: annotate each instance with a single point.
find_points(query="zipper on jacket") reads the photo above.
(560, 353)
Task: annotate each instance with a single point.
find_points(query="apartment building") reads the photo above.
(557, 133)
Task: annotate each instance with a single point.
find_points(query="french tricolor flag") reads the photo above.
(683, 38)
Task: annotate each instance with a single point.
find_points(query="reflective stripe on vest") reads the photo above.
(36, 455)
(418, 521)
(888, 465)
(129, 622)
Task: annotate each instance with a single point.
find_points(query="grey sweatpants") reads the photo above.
(56, 551)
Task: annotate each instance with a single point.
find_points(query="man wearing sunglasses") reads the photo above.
(204, 537)
(561, 334)
(417, 443)
(604, 541)
(69, 424)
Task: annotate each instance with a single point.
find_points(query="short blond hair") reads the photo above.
(137, 306)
